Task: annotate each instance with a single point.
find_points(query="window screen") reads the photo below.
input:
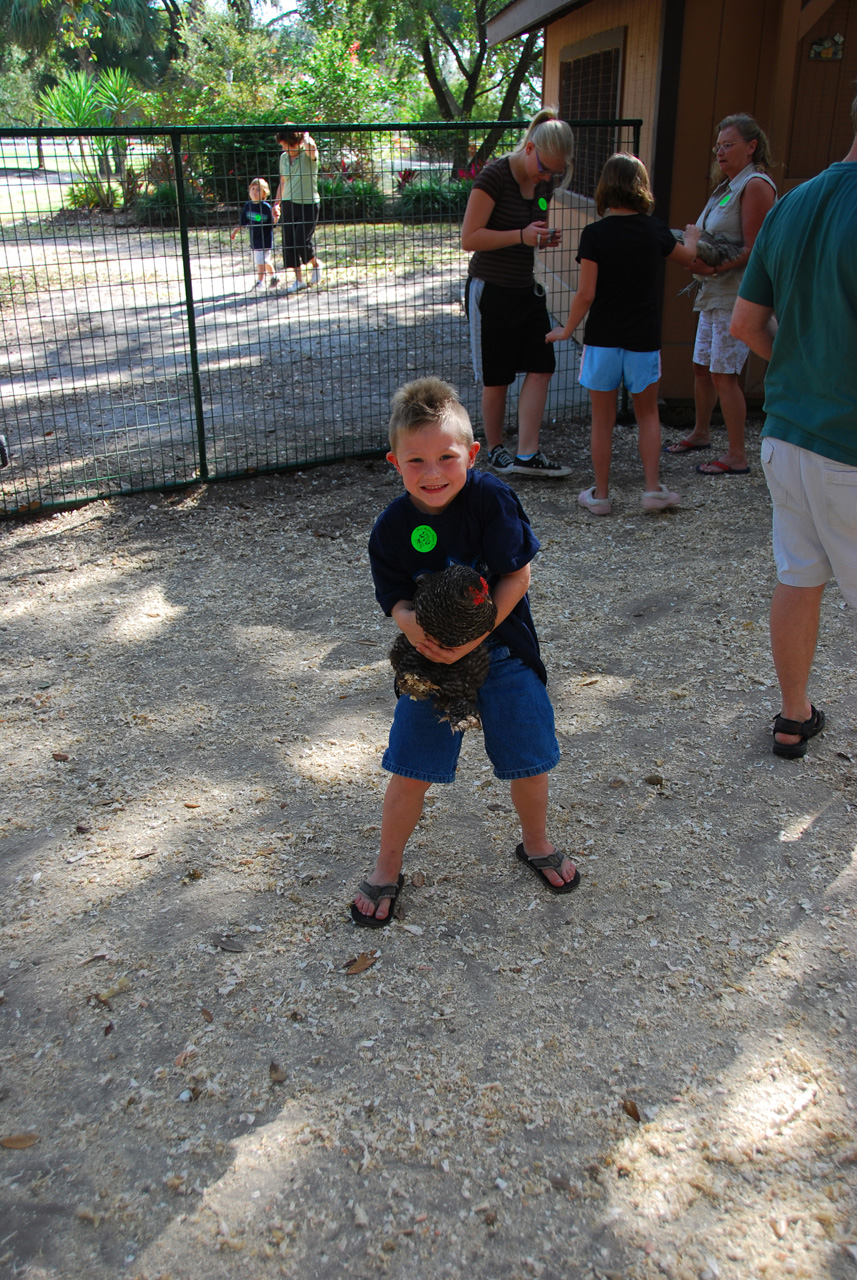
(589, 90)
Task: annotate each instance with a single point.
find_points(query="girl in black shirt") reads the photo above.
(620, 259)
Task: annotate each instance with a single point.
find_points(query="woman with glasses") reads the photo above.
(506, 221)
(736, 208)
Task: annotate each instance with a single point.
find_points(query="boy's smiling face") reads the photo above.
(433, 462)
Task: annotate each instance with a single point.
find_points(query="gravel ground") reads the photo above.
(208, 1072)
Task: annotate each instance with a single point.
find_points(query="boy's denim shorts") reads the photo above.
(517, 720)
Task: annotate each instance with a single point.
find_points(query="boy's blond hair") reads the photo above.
(428, 402)
(262, 185)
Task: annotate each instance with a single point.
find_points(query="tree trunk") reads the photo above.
(530, 54)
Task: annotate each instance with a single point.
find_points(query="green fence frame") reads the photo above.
(137, 356)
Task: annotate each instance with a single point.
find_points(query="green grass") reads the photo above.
(22, 200)
(24, 190)
(376, 249)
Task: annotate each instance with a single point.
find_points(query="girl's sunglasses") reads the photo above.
(549, 173)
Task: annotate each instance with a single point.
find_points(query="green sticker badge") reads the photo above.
(725, 199)
(543, 204)
(424, 538)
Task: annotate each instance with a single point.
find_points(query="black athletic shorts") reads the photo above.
(507, 332)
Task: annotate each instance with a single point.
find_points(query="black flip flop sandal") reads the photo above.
(375, 892)
(553, 861)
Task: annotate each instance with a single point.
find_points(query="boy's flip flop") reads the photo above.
(553, 861)
(375, 892)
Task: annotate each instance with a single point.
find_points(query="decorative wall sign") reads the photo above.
(827, 50)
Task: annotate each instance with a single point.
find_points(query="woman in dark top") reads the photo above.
(620, 259)
(506, 220)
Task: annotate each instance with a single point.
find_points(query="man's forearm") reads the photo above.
(754, 325)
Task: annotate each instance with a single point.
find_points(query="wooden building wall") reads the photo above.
(726, 66)
(736, 55)
(641, 20)
(819, 123)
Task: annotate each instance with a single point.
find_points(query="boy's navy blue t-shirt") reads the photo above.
(259, 217)
(484, 526)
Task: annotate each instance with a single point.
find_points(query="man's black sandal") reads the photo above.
(375, 892)
(806, 728)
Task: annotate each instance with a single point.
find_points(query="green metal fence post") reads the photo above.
(175, 143)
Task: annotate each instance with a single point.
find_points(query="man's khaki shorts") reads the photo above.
(815, 517)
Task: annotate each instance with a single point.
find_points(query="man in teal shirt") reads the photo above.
(797, 308)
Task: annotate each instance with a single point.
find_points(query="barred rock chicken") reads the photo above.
(453, 607)
(713, 247)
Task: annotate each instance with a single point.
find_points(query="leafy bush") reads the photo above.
(225, 163)
(349, 201)
(435, 200)
(82, 195)
(160, 207)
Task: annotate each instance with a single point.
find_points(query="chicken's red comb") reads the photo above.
(479, 597)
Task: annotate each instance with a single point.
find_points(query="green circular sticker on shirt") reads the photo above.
(543, 205)
(424, 538)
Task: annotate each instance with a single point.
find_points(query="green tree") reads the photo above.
(337, 80)
(226, 71)
(31, 25)
(230, 73)
(20, 82)
(448, 47)
(139, 35)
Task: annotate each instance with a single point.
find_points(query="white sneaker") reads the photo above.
(258, 284)
(296, 286)
(659, 499)
(315, 278)
(595, 506)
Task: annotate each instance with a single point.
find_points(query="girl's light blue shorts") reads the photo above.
(517, 720)
(604, 368)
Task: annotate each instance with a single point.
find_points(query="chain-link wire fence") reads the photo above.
(140, 353)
